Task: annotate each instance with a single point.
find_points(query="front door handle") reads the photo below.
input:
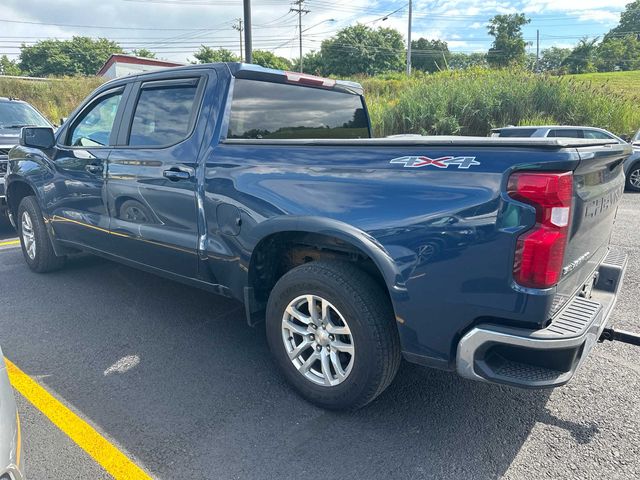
(94, 168)
(176, 174)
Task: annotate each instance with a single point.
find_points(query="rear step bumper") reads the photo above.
(548, 357)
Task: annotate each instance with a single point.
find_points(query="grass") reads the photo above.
(626, 84)
(55, 98)
(469, 102)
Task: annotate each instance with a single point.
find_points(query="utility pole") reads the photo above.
(248, 57)
(238, 27)
(537, 48)
(409, 40)
(299, 10)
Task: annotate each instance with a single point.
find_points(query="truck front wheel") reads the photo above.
(331, 329)
(633, 178)
(36, 245)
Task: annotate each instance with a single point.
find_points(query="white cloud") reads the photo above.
(460, 22)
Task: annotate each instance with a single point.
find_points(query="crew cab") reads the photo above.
(485, 256)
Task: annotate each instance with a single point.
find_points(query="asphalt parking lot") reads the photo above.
(175, 378)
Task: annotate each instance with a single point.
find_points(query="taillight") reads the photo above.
(540, 251)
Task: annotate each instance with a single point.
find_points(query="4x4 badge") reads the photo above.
(441, 162)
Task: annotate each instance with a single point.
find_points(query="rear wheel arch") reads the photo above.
(280, 251)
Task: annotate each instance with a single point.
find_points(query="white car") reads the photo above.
(631, 164)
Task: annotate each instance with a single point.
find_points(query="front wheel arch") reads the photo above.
(16, 191)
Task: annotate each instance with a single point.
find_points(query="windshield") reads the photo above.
(636, 138)
(18, 114)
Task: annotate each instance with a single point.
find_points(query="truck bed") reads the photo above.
(434, 141)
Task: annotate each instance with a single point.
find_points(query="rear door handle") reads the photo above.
(176, 174)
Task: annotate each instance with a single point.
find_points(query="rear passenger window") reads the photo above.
(164, 114)
(564, 133)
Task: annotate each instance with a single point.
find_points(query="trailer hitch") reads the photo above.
(613, 335)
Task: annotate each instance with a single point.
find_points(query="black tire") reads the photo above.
(367, 311)
(44, 258)
(634, 172)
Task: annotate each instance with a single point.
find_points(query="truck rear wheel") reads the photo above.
(36, 245)
(331, 329)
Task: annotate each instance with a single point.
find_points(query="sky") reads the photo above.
(175, 29)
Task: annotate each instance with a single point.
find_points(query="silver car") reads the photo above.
(631, 164)
(10, 442)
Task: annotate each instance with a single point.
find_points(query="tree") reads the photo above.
(9, 67)
(581, 59)
(429, 55)
(209, 55)
(629, 22)
(462, 61)
(361, 49)
(552, 58)
(313, 63)
(508, 45)
(270, 60)
(78, 56)
(143, 52)
(618, 53)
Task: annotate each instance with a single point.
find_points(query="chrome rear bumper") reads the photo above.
(548, 357)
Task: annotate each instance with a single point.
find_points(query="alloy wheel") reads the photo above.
(634, 178)
(318, 340)
(28, 236)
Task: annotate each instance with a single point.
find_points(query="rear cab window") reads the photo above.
(517, 132)
(265, 110)
(565, 133)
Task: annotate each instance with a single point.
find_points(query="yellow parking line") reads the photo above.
(99, 448)
(9, 242)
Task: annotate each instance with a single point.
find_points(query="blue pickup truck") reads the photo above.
(485, 256)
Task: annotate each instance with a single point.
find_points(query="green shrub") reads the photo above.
(463, 102)
(474, 101)
(55, 98)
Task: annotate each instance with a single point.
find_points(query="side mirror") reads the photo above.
(62, 120)
(37, 137)
(626, 138)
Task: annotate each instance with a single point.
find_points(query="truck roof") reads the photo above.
(256, 72)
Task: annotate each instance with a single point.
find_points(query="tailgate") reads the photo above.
(597, 189)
